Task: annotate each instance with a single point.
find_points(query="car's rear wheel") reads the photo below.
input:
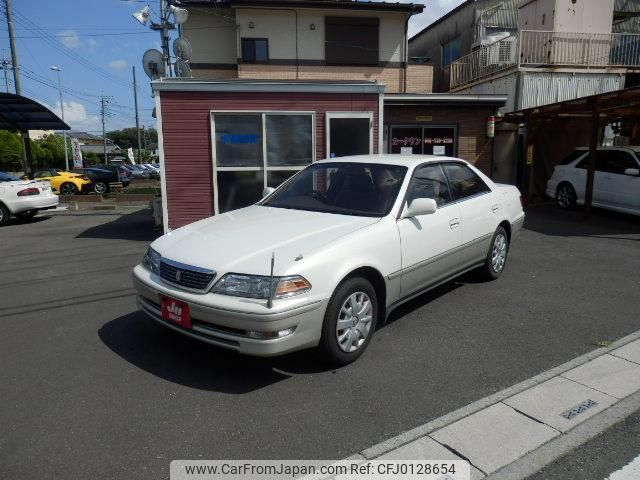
(349, 322)
(100, 187)
(496, 256)
(68, 189)
(4, 215)
(566, 196)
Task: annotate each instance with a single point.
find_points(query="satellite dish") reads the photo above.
(182, 48)
(182, 68)
(180, 15)
(142, 15)
(153, 64)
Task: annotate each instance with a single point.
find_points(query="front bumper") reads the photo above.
(227, 326)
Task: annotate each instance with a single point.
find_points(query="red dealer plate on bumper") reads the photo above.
(175, 311)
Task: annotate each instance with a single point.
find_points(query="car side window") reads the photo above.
(616, 161)
(429, 182)
(42, 174)
(464, 182)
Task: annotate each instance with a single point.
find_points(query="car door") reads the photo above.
(617, 189)
(429, 242)
(580, 175)
(478, 211)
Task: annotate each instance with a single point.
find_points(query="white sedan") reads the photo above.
(616, 183)
(329, 254)
(24, 198)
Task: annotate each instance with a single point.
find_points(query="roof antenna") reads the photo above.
(270, 300)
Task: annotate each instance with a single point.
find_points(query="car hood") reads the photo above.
(242, 241)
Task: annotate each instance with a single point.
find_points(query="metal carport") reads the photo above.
(24, 114)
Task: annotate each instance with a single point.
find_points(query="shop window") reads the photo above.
(450, 52)
(255, 50)
(439, 141)
(419, 140)
(406, 140)
(248, 160)
(352, 40)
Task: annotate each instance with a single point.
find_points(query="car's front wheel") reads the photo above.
(100, 187)
(566, 196)
(68, 189)
(349, 322)
(4, 215)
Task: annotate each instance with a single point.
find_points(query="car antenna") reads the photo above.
(270, 300)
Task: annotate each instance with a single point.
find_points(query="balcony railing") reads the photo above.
(530, 48)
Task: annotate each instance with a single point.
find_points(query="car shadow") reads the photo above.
(549, 219)
(166, 354)
(137, 226)
(25, 221)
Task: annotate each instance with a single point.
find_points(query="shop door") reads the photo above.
(349, 134)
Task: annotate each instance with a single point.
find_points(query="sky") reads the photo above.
(95, 43)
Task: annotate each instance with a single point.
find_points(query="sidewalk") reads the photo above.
(514, 433)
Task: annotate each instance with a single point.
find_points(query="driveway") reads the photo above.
(92, 388)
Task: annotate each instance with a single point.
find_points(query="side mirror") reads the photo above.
(634, 172)
(420, 206)
(268, 191)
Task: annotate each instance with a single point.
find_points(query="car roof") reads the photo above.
(635, 148)
(389, 159)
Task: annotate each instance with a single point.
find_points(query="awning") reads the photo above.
(22, 113)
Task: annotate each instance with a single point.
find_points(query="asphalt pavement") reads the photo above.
(92, 388)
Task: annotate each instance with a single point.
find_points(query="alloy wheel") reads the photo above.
(499, 253)
(565, 196)
(354, 322)
(100, 187)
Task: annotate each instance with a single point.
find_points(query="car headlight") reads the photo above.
(151, 261)
(255, 286)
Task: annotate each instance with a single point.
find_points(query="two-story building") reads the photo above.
(278, 84)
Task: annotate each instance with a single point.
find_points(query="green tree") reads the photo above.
(10, 151)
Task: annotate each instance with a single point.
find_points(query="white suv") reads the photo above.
(616, 183)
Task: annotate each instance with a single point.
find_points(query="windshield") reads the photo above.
(5, 177)
(361, 189)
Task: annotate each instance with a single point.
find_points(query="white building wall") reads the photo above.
(586, 16)
(212, 34)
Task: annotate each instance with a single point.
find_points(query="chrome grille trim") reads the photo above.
(187, 277)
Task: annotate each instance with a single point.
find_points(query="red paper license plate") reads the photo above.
(176, 311)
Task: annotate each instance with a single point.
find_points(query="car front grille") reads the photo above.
(186, 276)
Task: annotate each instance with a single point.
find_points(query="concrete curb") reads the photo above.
(533, 460)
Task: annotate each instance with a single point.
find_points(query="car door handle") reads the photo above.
(495, 208)
(454, 223)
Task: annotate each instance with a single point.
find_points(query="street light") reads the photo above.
(64, 132)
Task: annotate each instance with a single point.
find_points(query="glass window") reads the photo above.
(255, 50)
(572, 156)
(239, 189)
(5, 177)
(289, 140)
(463, 181)
(275, 178)
(238, 140)
(406, 140)
(360, 189)
(429, 182)
(352, 40)
(450, 51)
(439, 141)
(616, 161)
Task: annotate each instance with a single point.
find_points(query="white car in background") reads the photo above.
(616, 184)
(24, 198)
(329, 254)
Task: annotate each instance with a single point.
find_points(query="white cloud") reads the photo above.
(76, 116)
(69, 39)
(119, 65)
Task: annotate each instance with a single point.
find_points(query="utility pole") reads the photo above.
(135, 99)
(64, 132)
(26, 141)
(103, 112)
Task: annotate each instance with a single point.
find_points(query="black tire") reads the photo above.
(566, 196)
(100, 188)
(68, 189)
(4, 215)
(330, 348)
(491, 269)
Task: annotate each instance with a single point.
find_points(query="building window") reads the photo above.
(255, 50)
(256, 150)
(420, 140)
(450, 52)
(352, 40)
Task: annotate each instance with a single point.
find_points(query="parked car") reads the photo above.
(64, 183)
(123, 175)
(101, 178)
(153, 171)
(24, 198)
(616, 183)
(329, 254)
(139, 172)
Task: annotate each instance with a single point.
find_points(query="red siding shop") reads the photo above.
(222, 142)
